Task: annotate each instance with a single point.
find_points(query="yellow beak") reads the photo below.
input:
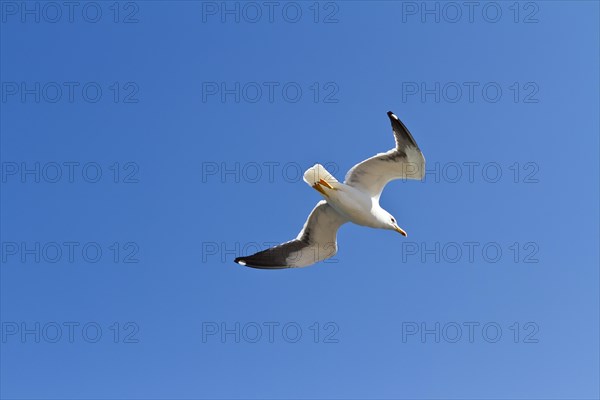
(400, 230)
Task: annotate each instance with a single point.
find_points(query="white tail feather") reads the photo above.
(317, 172)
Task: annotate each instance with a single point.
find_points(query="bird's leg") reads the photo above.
(325, 183)
(318, 188)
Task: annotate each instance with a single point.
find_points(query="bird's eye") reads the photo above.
(393, 220)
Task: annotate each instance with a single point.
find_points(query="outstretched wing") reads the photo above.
(315, 242)
(403, 162)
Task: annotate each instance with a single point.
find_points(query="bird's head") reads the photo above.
(389, 222)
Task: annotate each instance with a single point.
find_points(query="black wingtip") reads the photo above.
(400, 130)
(240, 261)
(244, 262)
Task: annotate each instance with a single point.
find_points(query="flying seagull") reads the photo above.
(356, 200)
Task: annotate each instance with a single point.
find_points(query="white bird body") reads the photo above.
(356, 206)
(356, 200)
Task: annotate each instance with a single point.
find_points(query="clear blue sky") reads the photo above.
(146, 145)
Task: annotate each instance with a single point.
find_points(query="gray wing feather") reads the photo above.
(315, 242)
(405, 161)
